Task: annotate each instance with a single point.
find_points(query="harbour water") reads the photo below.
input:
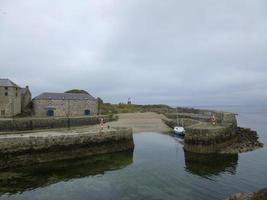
(158, 168)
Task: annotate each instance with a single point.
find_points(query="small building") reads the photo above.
(10, 98)
(13, 99)
(64, 105)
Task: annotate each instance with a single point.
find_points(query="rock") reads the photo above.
(260, 195)
(247, 140)
(241, 196)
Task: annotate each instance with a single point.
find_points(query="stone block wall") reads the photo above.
(201, 136)
(212, 139)
(28, 150)
(209, 140)
(10, 105)
(26, 124)
(64, 108)
(26, 99)
(202, 115)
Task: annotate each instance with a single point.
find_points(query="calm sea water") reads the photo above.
(157, 169)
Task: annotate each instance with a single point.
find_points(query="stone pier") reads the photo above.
(204, 137)
(40, 147)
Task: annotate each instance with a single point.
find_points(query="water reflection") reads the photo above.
(179, 138)
(207, 165)
(28, 178)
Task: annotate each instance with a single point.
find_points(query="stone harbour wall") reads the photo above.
(27, 124)
(211, 139)
(27, 150)
(204, 116)
(213, 145)
(201, 136)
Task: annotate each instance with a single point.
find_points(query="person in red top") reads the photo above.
(101, 123)
(213, 119)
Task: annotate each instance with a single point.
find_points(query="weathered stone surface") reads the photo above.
(26, 124)
(260, 195)
(198, 117)
(241, 196)
(247, 140)
(26, 98)
(63, 108)
(16, 150)
(203, 137)
(10, 104)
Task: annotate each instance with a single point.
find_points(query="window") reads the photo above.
(16, 94)
(6, 93)
(2, 112)
(6, 88)
(87, 112)
(50, 113)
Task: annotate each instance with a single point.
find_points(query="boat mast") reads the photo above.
(177, 117)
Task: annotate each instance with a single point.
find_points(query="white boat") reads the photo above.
(179, 130)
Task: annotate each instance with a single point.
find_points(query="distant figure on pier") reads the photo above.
(101, 123)
(213, 119)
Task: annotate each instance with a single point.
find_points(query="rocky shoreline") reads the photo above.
(260, 195)
(247, 140)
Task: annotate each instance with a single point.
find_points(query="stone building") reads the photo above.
(11, 98)
(26, 98)
(64, 105)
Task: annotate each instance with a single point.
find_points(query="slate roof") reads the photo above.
(66, 96)
(4, 82)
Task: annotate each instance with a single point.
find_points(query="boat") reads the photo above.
(179, 130)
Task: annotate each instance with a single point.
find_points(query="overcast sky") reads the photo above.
(177, 52)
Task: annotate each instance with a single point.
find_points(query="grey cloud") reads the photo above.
(174, 52)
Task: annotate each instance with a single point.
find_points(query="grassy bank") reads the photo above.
(107, 108)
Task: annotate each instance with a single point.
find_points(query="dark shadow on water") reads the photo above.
(208, 165)
(22, 179)
(179, 138)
